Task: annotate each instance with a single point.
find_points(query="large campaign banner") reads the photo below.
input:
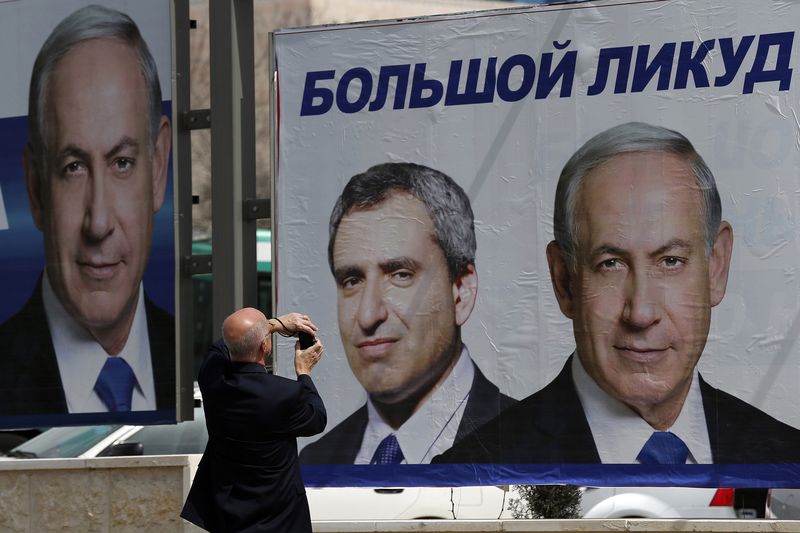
(555, 244)
(86, 213)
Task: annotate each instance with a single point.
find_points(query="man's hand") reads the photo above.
(305, 360)
(293, 322)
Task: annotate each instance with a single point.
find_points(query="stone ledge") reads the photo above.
(119, 494)
(101, 462)
(560, 526)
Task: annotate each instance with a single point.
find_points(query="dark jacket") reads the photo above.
(550, 427)
(341, 444)
(249, 476)
(30, 383)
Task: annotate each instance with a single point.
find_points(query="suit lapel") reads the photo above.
(485, 402)
(349, 441)
(565, 420)
(341, 444)
(38, 382)
(161, 331)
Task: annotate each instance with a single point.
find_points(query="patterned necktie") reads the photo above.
(115, 384)
(388, 452)
(663, 448)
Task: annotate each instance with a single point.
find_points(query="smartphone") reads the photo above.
(306, 340)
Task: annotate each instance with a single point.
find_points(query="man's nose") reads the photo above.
(643, 300)
(97, 218)
(372, 310)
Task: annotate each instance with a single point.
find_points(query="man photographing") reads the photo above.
(249, 476)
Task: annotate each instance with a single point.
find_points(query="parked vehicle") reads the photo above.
(783, 504)
(393, 503)
(662, 502)
(408, 503)
(190, 437)
(10, 438)
(115, 440)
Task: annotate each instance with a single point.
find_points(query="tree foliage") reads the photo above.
(546, 501)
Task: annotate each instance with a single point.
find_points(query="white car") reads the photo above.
(660, 502)
(783, 504)
(397, 503)
(114, 440)
(190, 437)
(491, 502)
(408, 503)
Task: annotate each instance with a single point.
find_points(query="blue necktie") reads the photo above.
(663, 448)
(388, 452)
(115, 384)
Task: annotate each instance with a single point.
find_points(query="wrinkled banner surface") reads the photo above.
(499, 101)
(31, 394)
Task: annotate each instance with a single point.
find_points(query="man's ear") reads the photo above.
(719, 263)
(264, 349)
(561, 278)
(465, 291)
(33, 183)
(161, 162)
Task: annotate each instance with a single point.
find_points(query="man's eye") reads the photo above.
(610, 265)
(402, 276)
(672, 262)
(350, 282)
(123, 164)
(72, 168)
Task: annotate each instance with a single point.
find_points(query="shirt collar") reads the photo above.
(432, 429)
(619, 433)
(80, 357)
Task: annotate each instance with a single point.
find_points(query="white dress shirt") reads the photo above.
(432, 429)
(80, 357)
(619, 433)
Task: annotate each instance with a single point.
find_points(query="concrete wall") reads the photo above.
(119, 494)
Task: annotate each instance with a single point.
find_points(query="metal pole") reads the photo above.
(182, 180)
(232, 155)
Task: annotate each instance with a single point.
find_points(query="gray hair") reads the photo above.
(87, 23)
(622, 139)
(447, 204)
(246, 347)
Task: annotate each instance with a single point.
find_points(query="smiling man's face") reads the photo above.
(398, 309)
(641, 295)
(95, 206)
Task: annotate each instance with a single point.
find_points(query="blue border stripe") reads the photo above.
(727, 475)
(89, 419)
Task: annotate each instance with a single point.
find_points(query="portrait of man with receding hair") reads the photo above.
(89, 339)
(640, 258)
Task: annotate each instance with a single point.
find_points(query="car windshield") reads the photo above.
(63, 442)
(169, 439)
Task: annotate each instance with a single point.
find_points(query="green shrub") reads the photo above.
(546, 501)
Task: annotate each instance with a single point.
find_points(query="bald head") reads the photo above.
(247, 335)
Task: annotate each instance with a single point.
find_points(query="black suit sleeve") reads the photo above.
(213, 367)
(309, 416)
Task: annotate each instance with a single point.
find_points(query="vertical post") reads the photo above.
(182, 180)
(246, 41)
(273, 169)
(232, 155)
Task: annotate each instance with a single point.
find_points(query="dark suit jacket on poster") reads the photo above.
(550, 427)
(249, 478)
(341, 444)
(30, 383)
